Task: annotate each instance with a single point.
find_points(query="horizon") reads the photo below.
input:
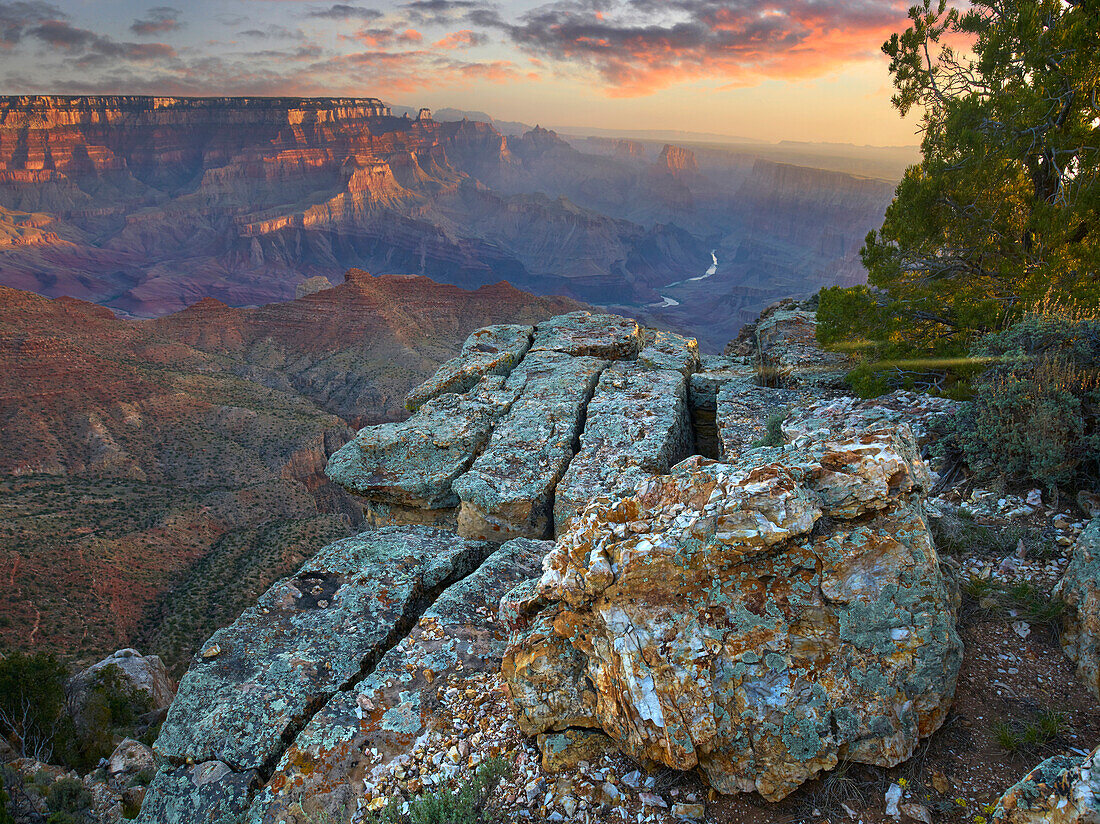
(793, 70)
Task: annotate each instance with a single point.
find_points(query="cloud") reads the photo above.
(94, 49)
(384, 38)
(272, 32)
(641, 46)
(439, 12)
(463, 39)
(342, 11)
(158, 20)
(16, 18)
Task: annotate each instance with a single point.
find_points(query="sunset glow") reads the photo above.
(790, 69)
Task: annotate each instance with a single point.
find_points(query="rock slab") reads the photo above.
(361, 731)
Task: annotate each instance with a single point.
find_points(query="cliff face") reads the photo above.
(149, 204)
(158, 475)
(161, 201)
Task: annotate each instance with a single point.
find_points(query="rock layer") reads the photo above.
(759, 621)
(637, 425)
(498, 427)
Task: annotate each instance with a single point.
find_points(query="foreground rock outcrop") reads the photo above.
(256, 683)
(760, 620)
(1079, 588)
(1062, 790)
(517, 434)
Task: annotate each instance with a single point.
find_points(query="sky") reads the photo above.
(808, 70)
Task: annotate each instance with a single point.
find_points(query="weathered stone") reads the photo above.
(546, 677)
(789, 356)
(830, 416)
(565, 750)
(364, 729)
(1089, 503)
(1079, 588)
(141, 678)
(756, 621)
(307, 637)
(408, 467)
(493, 350)
(610, 337)
(743, 411)
(637, 425)
(377, 514)
(1061, 790)
(207, 793)
(667, 350)
(509, 490)
(129, 759)
(703, 397)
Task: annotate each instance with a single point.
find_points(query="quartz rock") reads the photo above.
(757, 621)
(1061, 790)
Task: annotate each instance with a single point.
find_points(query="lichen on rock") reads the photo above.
(1079, 588)
(759, 620)
(1061, 790)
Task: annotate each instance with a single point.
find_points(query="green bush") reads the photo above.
(67, 799)
(5, 800)
(471, 803)
(32, 705)
(1034, 413)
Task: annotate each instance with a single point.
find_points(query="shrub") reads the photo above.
(1034, 413)
(471, 803)
(32, 705)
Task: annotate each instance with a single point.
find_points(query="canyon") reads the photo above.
(157, 475)
(147, 205)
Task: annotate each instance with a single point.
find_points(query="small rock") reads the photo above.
(893, 796)
(690, 812)
(212, 651)
(939, 782)
(652, 800)
(1035, 498)
(917, 812)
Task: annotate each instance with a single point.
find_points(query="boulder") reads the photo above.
(207, 793)
(127, 674)
(1061, 790)
(609, 337)
(669, 351)
(823, 417)
(364, 731)
(637, 425)
(256, 682)
(1079, 588)
(758, 621)
(509, 490)
(406, 469)
(130, 759)
(788, 354)
(492, 350)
